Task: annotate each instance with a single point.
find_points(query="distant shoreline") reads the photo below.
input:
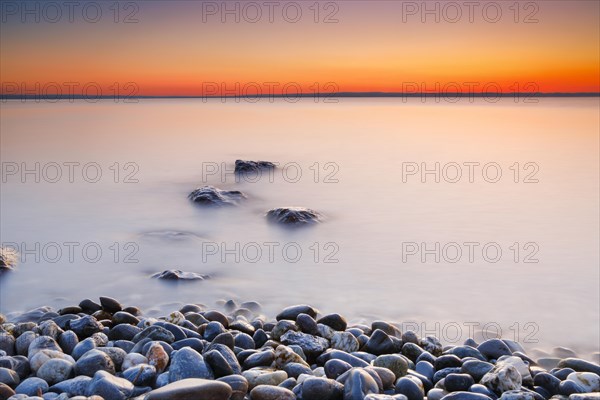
(309, 95)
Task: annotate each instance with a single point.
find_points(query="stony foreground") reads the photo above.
(103, 350)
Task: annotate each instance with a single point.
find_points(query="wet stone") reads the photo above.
(293, 216)
(214, 197)
(178, 275)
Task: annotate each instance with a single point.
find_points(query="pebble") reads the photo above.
(119, 353)
(357, 384)
(56, 370)
(32, 386)
(188, 363)
(458, 382)
(344, 341)
(264, 376)
(292, 312)
(394, 363)
(589, 381)
(501, 378)
(109, 387)
(93, 361)
(494, 349)
(264, 392)
(411, 387)
(579, 365)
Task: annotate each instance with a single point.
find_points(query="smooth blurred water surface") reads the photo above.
(359, 148)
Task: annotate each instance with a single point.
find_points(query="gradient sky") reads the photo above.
(175, 48)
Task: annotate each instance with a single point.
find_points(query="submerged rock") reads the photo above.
(178, 275)
(212, 196)
(293, 216)
(243, 166)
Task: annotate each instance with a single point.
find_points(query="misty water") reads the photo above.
(359, 162)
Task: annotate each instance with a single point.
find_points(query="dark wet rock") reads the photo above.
(89, 306)
(380, 343)
(238, 385)
(123, 332)
(447, 361)
(222, 361)
(178, 275)
(562, 373)
(154, 332)
(116, 354)
(23, 341)
(341, 355)
(6, 391)
(322, 388)
(465, 396)
(211, 196)
(32, 386)
(178, 333)
(255, 167)
(281, 328)
(432, 345)
(293, 216)
(42, 343)
(9, 377)
(85, 327)
(425, 368)
(56, 370)
(190, 389)
(548, 381)
(292, 312)
(567, 388)
(259, 359)
(110, 305)
(122, 317)
(311, 345)
(412, 351)
(442, 373)
(494, 349)
(334, 321)
(477, 369)
(357, 384)
(466, 351)
(217, 316)
(93, 361)
(141, 375)
(458, 382)
(411, 388)
(265, 392)
(244, 341)
(110, 387)
(579, 365)
(67, 341)
(193, 343)
(74, 387)
(394, 363)
(7, 343)
(294, 370)
(188, 363)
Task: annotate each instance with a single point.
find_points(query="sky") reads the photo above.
(271, 47)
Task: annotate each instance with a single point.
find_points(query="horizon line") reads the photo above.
(374, 94)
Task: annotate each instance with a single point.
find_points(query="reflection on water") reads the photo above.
(509, 235)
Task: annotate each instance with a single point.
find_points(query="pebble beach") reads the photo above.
(105, 350)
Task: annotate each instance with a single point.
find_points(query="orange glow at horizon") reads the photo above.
(176, 48)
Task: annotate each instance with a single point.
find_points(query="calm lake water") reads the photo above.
(513, 220)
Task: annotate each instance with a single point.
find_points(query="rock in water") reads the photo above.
(176, 274)
(211, 196)
(8, 259)
(293, 216)
(191, 389)
(255, 167)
